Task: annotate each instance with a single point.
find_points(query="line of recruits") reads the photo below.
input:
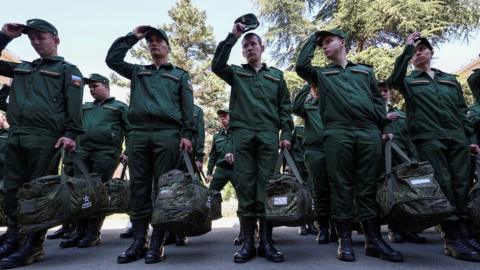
(345, 121)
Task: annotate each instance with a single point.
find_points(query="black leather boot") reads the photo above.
(302, 230)
(128, 233)
(92, 236)
(247, 251)
(466, 230)
(11, 241)
(239, 240)
(323, 236)
(155, 252)
(375, 246)
(138, 248)
(82, 225)
(311, 229)
(454, 244)
(170, 238)
(31, 251)
(180, 240)
(59, 233)
(265, 246)
(344, 233)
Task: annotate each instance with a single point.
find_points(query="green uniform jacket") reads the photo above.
(258, 101)
(474, 110)
(308, 108)
(474, 83)
(221, 145)
(349, 96)
(105, 124)
(46, 96)
(298, 150)
(199, 138)
(3, 145)
(160, 97)
(436, 108)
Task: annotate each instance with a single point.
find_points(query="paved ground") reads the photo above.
(215, 250)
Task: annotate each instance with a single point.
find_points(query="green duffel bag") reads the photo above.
(474, 196)
(288, 199)
(183, 203)
(408, 195)
(3, 217)
(52, 200)
(118, 190)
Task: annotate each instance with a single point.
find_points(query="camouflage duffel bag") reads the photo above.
(408, 195)
(3, 217)
(118, 190)
(183, 204)
(474, 197)
(288, 199)
(51, 200)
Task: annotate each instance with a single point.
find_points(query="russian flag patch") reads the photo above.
(76, 80)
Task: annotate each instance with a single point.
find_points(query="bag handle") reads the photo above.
(389, 144)
(191, 167)
(284, 154)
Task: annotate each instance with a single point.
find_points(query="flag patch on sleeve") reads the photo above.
(76, 80)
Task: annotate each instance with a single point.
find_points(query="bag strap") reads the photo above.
(284, 154)
(124, 171)
(389, 145)
(63, 184)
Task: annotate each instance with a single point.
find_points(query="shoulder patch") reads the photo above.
(76, 80)
(419, 82)
(271, 78)
(447, 82)
(331, 72)
(360, 71)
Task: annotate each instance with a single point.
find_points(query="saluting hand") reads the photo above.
(185, 144)
(412, 36)
(285, 144)
(238, 29)
(141, 31)
(12, 30)
(67, 143)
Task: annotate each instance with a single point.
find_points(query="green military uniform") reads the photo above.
(298, 150)
(198, 141)
(259, 108)
(308, 108)
(353, 114)
(160, 114)
(3, 148)
(436, 112)
(221, 144)
(106, 126)
(474, 110)
(44, 105)
(4, 93)
(401, 137)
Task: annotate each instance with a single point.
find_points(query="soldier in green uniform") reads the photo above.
(162, 123)
(474, 110)
(3, 143)
(44, 115)
(353, 113)
(307, 106)
(100, 148)
(398, 127)
(259, 108)
(436, 112)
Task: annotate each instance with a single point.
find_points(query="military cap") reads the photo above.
(40, 25)
(249, 20)
(424, 41)
(334, 32)
(222, 111)
(95, 77)
(159, 32)
(382, 83)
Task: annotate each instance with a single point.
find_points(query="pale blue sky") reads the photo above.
(87, 29)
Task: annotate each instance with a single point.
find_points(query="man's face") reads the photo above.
(224, 118)
(45, 44)
(423, 55)
(385, 92)
(99, 91)
(252, 49)
(332, 46)
(3, 120)
(157, 46)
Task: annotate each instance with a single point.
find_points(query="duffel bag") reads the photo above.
(118, 190)
(3, 217)
(408, 195)
(474, 196)
(52, 200)
(183, 203)
(288, 199)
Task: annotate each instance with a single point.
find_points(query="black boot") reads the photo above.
(265, 246)
(11, 241)
(247, 251)
(375, 246)
(344, 233)
(128, 233)
(181, 240)
(302, 230)
(455, 245)
(395, 236)
(323, 236)
(414, 238)
(170, 238)
(30, 252)
(79, 234)
(239, 240)
(155, 252)
(466, 230)
(58, 233)
(311, 229)
(92, 236)
(137, 249)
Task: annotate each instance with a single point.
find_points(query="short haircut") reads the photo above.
(251, 34)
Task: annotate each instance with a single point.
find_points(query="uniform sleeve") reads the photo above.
(285, 112)
(125, 123)
(220, 59)
(73, 91)
(474, 83)
(304, 66)
(379, 106)
(298, 106)
(200, 143)
(116, 55)
(6, 68)
(397, 78)
(186, 103)
(212, 157)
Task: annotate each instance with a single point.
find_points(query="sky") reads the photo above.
(87, 28)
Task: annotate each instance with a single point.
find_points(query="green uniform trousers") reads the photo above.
(353, 163)
(29, 156)
(100, 161)
(450, 160)
(318, 182)
(150, 154)
(221, 177)
(255, 154)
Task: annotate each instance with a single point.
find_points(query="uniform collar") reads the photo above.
(264, 66)
(108, 100)
(418, 73)
(48, 59)
(349, 63)
(165, 66)
(224, 131)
